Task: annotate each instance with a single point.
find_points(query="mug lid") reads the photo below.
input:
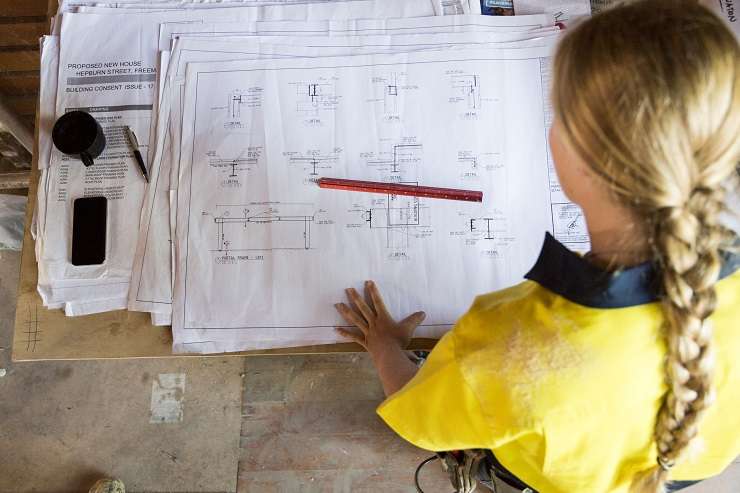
(74, 132)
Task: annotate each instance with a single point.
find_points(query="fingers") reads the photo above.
(359, 304)
(352, 336)
(373, 294)
(414, 320)
(351, 316)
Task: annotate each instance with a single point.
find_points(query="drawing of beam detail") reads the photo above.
(390, 103)
(315, 162)
(302, 243)
(402, 154)
(472, 160)
(251, 97)
(315, 96)
(470, 87)
(488, 227)
(399, 216)
(262, 220)
(233, 163)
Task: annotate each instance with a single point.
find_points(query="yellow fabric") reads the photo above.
(565, 395)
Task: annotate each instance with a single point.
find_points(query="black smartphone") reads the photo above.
(89, 230)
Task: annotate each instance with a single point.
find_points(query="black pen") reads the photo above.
(137, 153)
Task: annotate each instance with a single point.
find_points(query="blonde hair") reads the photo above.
(648, 94)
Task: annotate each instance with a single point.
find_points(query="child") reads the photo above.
(617, 371)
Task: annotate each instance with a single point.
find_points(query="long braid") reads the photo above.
(648, 95)
(687, 243)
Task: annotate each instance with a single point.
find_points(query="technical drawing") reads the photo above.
(250, 98)
(468, 159)
(488, 232)
(466, 89)
(268, 226)
(315, 96)
(399, 158)
(313, 161)
(390, 95)
(230, 166)
(573, 224)
(388, 90)
(484, 226)
(474, 165)
(402, 217)
(569, 224)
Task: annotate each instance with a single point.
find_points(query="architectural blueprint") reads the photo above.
(257, 265)
(151, 283)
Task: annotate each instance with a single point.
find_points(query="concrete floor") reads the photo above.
(263, 424)
(309, 425)
(305, 424)
(64, 424)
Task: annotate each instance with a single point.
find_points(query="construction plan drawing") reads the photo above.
(241, 106)
(151, 283)
(262, 253)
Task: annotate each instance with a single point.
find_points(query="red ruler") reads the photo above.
(401, 189)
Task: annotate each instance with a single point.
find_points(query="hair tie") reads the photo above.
(665, 464)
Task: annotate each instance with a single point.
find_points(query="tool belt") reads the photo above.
(469, 468)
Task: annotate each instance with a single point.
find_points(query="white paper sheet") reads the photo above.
(435, 6)
(151, 290)
(261, 256)
(79, 308)
(568, 222)
(71, 5)
(148, 5)
(354, 27)
(47, 96)
(347, 9)
(49, 46)
(441, 7)
(161, 319)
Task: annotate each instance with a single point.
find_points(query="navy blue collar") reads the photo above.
(573, 277)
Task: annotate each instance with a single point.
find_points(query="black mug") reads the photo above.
(80, 135)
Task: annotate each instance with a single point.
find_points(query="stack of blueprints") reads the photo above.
(104, 59)
(240, 107)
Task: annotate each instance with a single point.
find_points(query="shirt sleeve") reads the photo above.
(437, 410)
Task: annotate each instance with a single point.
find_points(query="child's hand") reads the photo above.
(378, 332)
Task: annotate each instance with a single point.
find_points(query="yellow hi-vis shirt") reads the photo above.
(561, 377)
